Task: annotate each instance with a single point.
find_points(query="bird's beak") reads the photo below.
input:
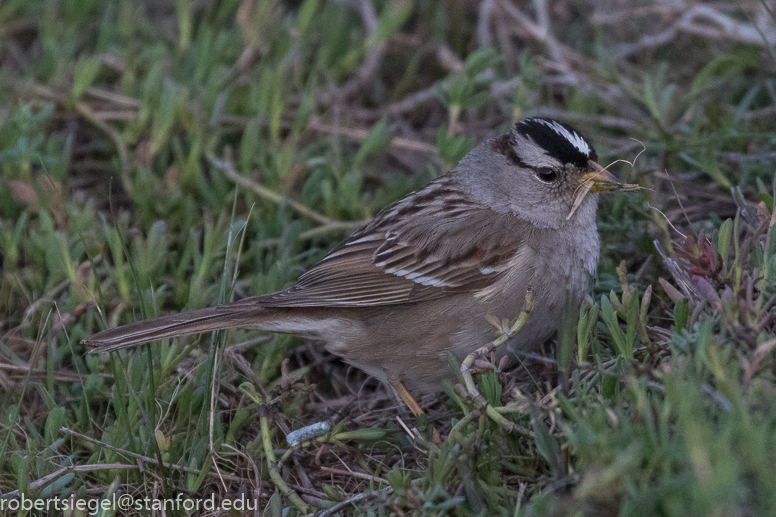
(599, 180)
(603, 180)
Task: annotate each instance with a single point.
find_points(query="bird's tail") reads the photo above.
(222, 317)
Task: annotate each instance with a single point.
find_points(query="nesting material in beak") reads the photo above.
(600, 180)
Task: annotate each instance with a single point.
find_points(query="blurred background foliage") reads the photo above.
(160, 156)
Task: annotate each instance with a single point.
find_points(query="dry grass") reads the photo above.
(149, 149)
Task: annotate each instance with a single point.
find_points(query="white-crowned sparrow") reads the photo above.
(416, 283)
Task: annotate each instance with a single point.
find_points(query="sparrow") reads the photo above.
(416, 283)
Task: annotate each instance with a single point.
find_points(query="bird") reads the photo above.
(420, 280)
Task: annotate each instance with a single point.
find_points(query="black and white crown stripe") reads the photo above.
(569, 134)
(558, 140)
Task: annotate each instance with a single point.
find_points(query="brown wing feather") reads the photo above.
(418, 249)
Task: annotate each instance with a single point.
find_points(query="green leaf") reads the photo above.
(54, 421)
(306, 13)
(193, 482)
(609, 385)
(57, 486)
(772, 243)
(681, 314)
(459, 88)
(275, 505)
(391, 19)
(610, 318)
(725, 233)
(23, 475)
(453, 148)
(632, 321)
(86, 70)
(164, 116)
(184, 12)
(584, 329)
(376, 140)
(250, 143)
(491, 389)
(369, 434)
(548, 447)
(480, 60)
(108, 510)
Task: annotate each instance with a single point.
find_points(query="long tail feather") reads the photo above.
(236, 315)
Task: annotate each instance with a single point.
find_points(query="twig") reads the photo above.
(359, 135)
(61, 375)
(211, 419)
(227, 167)
(746, 157)
(520, 494)
(339, 506)
(39, 483)
(726, 27)
(608, 17)
(448, 59)
(540, 32)
(698, 19)
(414, 100)
(484, 13)
(47, 297)
(147, 459)
(553, 45)
(112, 97)
(119, 115)
(768, 111)
(645, 42)
(679, 201)
(359, 475)
(571, 67)
(374, 56)
(315, 232)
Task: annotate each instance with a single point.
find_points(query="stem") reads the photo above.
(468, 379)
(227, 167)
(273, 469)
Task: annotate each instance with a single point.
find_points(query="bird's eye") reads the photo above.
(546, 174)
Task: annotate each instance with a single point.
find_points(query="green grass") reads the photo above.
(125, 128)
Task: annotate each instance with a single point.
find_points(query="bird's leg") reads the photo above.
(408, 399)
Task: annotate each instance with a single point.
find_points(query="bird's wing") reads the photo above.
(429, 245)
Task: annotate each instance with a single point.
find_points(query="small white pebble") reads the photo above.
(307, 433)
